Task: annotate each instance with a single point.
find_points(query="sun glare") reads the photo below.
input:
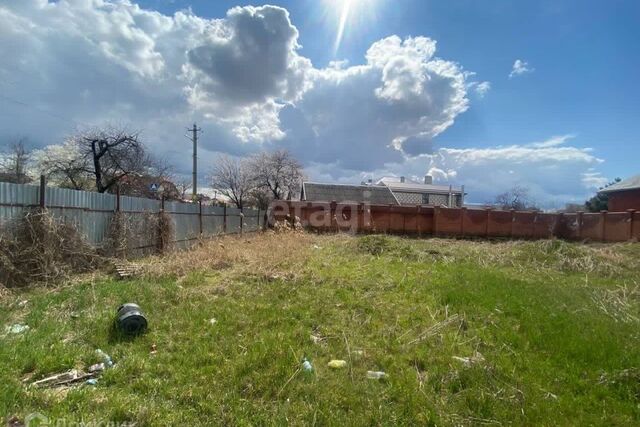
(349, 13)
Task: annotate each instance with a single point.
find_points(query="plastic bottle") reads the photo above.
(376, 375)
(306, 365)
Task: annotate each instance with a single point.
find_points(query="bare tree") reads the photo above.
(515, 198)
(278, 174)
(233, 179)
(14, 163)
(112, 154)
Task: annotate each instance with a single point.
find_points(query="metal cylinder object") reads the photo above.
(131, 319)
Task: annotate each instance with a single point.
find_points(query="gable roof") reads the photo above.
(632, 183)
(415, 187)
(374, 194)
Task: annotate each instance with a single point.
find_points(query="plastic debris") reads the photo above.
(213, 321)
(306, 365)
(98, 367)
(376, 375)
(92, 381)
(66, 378)
(16, 329)
(337, 364)
(108, 363)
(469, 361)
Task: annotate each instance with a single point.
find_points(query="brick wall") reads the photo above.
(460, 222)
(623, 200)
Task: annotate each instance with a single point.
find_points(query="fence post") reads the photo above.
(419, 220)
(43, 188)
(117, 198)
(241, 220)
(436, 211)
(161, 242)
(631, 216)
(603, 225)
(200, 216)
(463, 212)
(224, 219)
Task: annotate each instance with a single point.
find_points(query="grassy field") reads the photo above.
(469, 333)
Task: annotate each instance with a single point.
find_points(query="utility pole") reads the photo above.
(194, 139)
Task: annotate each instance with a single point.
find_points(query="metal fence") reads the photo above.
(92, 213)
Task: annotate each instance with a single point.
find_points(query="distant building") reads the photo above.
(343, 193)
(409, 192)
(386, 191)
(624, 195)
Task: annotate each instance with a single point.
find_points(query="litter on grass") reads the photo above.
(76, 376)
(213, 321)
(16, 329)
(376, 375)
(337, 364)
(471, 360)
(306, 365)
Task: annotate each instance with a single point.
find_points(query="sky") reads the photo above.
(486, 94)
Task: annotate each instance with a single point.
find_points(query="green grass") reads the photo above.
(556, 323)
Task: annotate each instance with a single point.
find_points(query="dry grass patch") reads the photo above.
(269, 255)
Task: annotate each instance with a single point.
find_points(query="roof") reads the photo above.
(374, 194)
(632, 183)
(395, 185)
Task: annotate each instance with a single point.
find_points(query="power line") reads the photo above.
(40, 110)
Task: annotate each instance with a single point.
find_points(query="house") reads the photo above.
(409, 192)
(623, 195)
(386, 191)
(347, 193)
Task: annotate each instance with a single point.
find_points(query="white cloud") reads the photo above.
(554, 141)
(520, 67)
(365, 115)
(480, 88)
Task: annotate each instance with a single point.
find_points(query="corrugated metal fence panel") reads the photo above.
(251, 220)
(89, 212)
(15, 198)
(185, 220)
(138, 204)
(212, 220)
(233, 220)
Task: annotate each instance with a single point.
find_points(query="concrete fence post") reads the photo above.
(419, 220)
